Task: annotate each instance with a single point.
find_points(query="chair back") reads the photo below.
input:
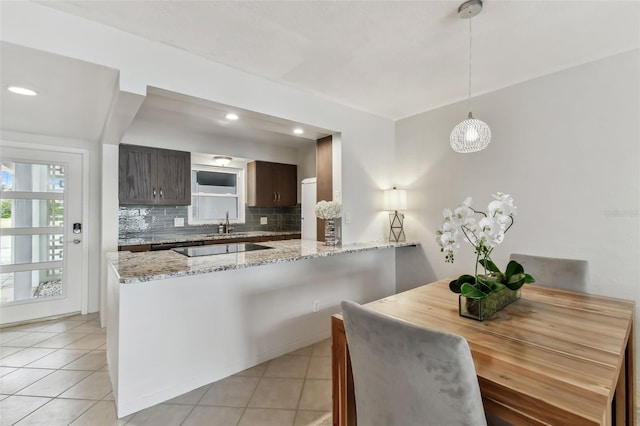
(567, 274)
(409, 375)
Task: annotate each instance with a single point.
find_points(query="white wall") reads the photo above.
(109, 199)
(566, 146)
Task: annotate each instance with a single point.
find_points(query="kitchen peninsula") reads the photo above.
(176, 323)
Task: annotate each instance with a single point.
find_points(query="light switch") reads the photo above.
(347, 217)
(263, 221)
(178, 221)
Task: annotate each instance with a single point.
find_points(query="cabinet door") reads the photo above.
(136, 249)
(292, 237)
(137, 175)
(261, 191)
(174, 178)
(286, 183)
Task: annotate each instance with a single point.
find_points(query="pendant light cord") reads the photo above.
(470, 38)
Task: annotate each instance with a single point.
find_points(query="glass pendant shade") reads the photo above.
(470, 135)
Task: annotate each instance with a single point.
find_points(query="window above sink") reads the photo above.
(216, 191)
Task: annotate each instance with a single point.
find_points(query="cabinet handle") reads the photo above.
(278, 196)
(154, 193)
(161, 194)
(275, 197)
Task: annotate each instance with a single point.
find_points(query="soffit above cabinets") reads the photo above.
(75, 99)
(209, 118)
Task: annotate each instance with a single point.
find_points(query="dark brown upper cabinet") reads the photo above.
(154, 176)
(272, 184)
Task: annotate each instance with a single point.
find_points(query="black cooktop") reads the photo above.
(219, 249)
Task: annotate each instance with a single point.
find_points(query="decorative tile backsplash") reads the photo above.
(146, 221)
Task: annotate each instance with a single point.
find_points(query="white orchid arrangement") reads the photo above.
(484, 235)
(328, 209)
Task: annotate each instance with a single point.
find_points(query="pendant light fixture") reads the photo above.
(470, 135)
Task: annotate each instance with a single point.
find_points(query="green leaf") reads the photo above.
(486, 284)
(516, 281)
(467, 290)
(499, 287)
(516, 285)
(515, 278)
(513, 268)
(489, 265)
(529, 279)
(466, 279)
(454, 286)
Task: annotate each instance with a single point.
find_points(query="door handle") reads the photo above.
(154, 193)
(278, 196)
(75, 241)
(275, 197)
(161, 194)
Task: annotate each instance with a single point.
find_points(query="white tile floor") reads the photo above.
(55, 373)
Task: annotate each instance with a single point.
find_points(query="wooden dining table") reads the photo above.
(553, 357)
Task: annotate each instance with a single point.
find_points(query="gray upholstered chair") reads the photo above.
(408, 375)
(567, 274)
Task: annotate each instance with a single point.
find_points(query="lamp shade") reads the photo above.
(395, 199)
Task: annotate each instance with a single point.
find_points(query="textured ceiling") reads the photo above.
(394, 58)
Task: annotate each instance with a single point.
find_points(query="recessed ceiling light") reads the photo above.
(298, 131)
(232, 116)
(22, 90)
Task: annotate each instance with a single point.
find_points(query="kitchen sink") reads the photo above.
(219, 249)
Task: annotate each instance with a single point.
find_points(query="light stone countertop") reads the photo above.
(159, 265)
(180, 238)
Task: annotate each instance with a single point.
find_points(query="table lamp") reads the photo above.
(394, 200)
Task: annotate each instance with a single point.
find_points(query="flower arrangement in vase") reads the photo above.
(329, 211)
(499, 288)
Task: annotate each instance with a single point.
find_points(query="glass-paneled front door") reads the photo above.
(41, 258)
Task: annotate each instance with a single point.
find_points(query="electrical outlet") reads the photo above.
(316, 305)
(263, 221)
(178, 221)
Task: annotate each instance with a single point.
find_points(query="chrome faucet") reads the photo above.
(227, 228)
